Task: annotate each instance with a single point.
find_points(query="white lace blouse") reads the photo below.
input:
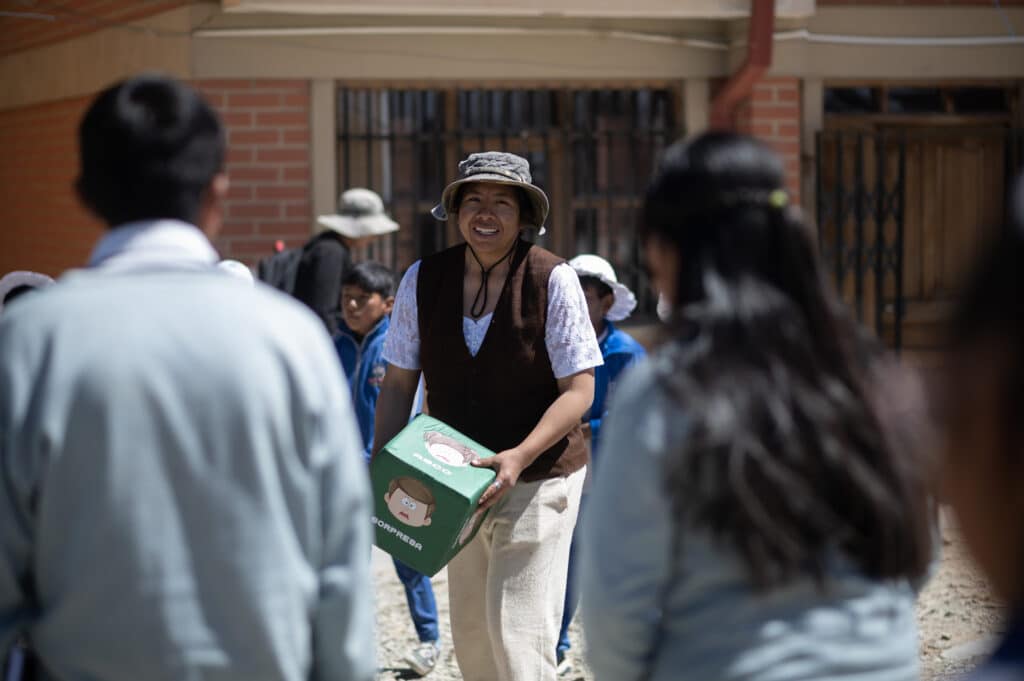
(568, 334)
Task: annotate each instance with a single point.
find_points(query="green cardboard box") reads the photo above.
(425, 493)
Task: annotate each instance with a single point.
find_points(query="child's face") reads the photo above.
(597, 305)
(408, 510)
(363, 310)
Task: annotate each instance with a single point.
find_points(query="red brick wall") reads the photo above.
(268, 162)
(32, 24)
(772, 113)
(42, 225)
(44, 228)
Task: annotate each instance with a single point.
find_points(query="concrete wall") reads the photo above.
(85, 64)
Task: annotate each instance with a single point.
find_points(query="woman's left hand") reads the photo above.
(508, 464)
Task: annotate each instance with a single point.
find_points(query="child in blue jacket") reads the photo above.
(607, 301)
(367, 296)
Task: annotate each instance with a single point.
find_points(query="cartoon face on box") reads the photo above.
(448, 450)
(410, 501)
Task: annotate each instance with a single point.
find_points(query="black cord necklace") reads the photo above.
(485, 274)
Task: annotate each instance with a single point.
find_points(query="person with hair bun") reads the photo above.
(751, 518)
(182, 495)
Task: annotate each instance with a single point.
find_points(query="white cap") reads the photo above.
(599, 268)
(237, 270)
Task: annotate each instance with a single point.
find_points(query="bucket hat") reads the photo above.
(360, 214)
(499, 167)
(599, 268)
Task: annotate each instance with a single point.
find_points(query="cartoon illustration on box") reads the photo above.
(449, 450)
(410, 501)
(469, 527)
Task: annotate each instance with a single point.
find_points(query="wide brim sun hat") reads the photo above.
(498, 167)
(360, 214)
(595, 266)
(13, 280)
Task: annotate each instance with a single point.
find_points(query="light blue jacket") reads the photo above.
(182, 492)
(707, 622)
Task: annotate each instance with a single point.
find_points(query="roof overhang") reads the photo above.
(667, 9)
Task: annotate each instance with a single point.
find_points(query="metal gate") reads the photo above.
(592, 150)
(861, 179)
(864, 179)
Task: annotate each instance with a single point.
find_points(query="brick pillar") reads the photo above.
(772, 114)
(268, 136)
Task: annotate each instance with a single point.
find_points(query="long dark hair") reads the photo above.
(786, 459)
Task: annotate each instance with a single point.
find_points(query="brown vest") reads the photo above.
(499, 396)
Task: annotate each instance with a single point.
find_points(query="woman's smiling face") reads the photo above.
(488, 216)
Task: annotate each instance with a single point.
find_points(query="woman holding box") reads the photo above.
(500, 331)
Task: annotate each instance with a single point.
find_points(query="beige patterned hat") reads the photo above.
(360, 214)
(501, 168)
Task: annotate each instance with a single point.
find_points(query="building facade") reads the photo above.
(899, 122)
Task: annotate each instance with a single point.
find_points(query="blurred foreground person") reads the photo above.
(750, 519)
(984, 463)
(183, 494)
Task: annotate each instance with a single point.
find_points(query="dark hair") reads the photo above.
(416, 489)
(372, 277)
(526, 214)
(150, 146)
(786, 458)
(603, 289)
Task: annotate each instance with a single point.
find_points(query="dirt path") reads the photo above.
(957, 615)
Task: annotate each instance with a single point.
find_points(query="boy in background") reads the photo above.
(367, 296)
(607, 301)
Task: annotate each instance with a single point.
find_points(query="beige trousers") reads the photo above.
(506, 588)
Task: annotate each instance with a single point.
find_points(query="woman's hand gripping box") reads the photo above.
(425, 493)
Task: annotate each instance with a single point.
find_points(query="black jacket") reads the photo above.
(324, 261)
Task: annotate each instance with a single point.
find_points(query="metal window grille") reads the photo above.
(862, 192)
(591, 150)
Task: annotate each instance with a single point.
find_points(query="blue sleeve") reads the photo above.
(368, 416)
(627, 531)
(615, 365)
(368, 449)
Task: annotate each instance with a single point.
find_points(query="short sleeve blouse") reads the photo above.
(568, 334)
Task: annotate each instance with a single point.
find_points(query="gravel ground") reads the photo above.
(958, 616)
